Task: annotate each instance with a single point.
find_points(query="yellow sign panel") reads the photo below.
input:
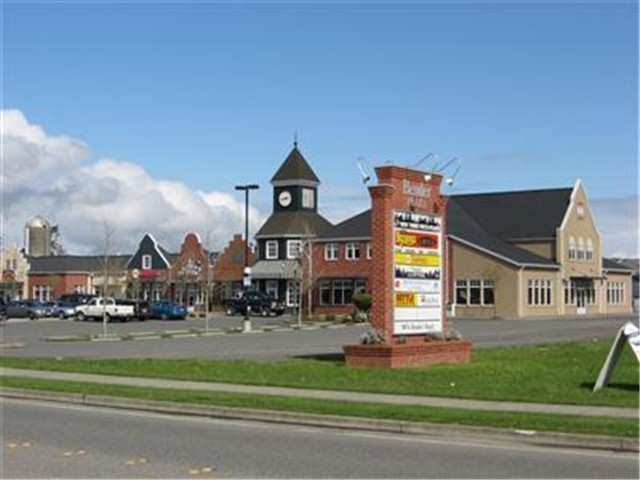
(417, 259)
(406, 299)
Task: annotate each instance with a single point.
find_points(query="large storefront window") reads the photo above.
(340, 291)
(475, 292)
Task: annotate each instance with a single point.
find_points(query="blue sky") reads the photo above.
(195, 97)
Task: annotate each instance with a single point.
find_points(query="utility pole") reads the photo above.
(246, 278)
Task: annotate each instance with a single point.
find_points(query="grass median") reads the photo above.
(554, 373)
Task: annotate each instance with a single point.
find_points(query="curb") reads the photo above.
(191, 333)
(530, 437)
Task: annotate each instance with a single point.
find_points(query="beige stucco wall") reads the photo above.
(626, 280)
(556, 293)
(545, 249)
(471, 264)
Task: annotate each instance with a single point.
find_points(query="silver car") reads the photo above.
(26, 309)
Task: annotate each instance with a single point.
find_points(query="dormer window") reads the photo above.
(146, 262)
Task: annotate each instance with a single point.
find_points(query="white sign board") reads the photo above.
(628, 333)
(417, 278)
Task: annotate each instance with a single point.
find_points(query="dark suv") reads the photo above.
(258, 303)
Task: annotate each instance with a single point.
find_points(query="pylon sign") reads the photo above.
(417, 273)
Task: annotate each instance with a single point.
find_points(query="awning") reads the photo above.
(276, 269)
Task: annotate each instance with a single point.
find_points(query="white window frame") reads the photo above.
(271, 250)
(368, 250)
(147, 262)
(589, 255)
(352, 251)
(294, 249)
(331, 251)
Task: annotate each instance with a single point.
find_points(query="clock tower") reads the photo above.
(285, 238)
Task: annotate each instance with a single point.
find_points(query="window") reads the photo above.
(308, 198)
(475, 292)
(572, 248)
(271, 248)
(340, 291)
(615, 293)
(369, 250)
(589, 249)
(331, 251)
(580, 248)
(146, 262)
(539, 293)
(462, 295)
(42, 293)
(352, 251)
(271, 288)
(293, 248)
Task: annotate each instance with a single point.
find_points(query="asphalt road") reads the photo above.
(29, 338)
(41, 440)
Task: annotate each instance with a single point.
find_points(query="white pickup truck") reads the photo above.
(100, 308)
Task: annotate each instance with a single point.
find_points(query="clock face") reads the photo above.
(284, 199)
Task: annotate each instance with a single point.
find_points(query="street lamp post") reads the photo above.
(246, 279)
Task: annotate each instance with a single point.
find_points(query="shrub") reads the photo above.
(362, 301)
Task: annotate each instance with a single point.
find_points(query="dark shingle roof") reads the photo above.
(358, 226)
(295, 168)
(530, 214)
(488, 222)
(74, 263)
(293, 223)
(466, 229)
(611, 264)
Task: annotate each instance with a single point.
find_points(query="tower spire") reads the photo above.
(295, 139)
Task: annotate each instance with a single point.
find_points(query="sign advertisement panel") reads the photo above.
(417, 262)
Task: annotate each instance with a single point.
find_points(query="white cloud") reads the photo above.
(49, 176)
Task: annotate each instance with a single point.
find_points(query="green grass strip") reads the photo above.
(526, 421)
(556, 373)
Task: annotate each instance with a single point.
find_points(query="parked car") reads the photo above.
(76, 298)
(167, 310)
(25, 309)
(141, 308)
(64, 309)
(106, 308)
(258, 303)
(49, 309)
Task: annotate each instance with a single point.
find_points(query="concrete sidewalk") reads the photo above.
(330, 394)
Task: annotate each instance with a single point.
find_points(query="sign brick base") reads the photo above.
(408, 355)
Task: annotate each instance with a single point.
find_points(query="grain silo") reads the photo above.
(37, 237)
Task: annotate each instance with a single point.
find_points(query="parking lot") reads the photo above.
(272, 338)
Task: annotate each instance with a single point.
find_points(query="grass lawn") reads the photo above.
(553, 373)
(617, 427)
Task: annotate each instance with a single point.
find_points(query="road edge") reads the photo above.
(530, 437)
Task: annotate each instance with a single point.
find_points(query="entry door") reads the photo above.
(581, 300)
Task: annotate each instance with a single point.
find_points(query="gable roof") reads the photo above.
(521, 215)
(295, 169)
(358, 226)
(160, 257)
(298, 223)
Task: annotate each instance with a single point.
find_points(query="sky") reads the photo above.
(143, 116)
